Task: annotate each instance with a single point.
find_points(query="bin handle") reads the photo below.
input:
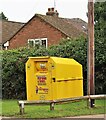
(69, 79)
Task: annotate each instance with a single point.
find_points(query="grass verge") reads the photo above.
(10, 109)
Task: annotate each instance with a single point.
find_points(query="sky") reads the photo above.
(24, 10)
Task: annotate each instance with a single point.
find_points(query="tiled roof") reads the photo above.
(78, 23)
(8, 29)
(70, 27)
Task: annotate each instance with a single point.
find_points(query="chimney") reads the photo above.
(52, 12)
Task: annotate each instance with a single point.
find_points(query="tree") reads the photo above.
(100, 46)
(100, 19)
(2, 16)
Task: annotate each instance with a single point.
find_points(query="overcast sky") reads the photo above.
(23, 10)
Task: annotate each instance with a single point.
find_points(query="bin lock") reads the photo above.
(54, 79)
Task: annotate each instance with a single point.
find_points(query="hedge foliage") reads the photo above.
(13, 65)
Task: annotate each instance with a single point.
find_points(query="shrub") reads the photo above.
(13, 65)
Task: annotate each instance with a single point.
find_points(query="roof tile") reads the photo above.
(8, 29)
(70, 27)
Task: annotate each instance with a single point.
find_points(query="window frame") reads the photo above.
(40, 41)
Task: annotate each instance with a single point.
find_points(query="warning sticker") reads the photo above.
(41, 80)
(42, 90)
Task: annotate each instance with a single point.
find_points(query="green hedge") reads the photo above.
(13, 65)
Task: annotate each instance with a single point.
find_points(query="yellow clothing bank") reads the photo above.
(53, 78)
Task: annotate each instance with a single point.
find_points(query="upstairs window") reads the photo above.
(37, 42)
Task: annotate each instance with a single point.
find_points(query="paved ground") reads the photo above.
(87, 117)
(91, 116)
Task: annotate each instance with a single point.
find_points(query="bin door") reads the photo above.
(43, 81)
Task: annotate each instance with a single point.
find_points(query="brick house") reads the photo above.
(7, 30)
(47, 30)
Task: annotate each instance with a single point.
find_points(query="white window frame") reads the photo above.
(40, 41)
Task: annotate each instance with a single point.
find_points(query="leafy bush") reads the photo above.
(13, 65)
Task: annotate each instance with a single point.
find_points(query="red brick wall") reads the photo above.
(36, 28)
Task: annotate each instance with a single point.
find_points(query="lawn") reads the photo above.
(10, 108)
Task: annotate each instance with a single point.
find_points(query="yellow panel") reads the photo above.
(51, 78)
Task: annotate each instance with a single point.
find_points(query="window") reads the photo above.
(6, 45)
(37, 42)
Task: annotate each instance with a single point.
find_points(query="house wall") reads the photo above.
(34, 29)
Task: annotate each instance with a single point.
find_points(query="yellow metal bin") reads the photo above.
(52, 78)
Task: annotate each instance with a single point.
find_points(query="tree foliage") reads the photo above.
(100, 19)
(100, 45)
(2, 16)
